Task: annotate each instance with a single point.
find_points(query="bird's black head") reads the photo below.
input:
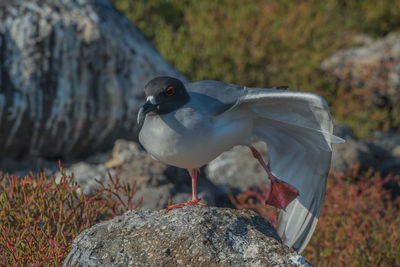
(164, 94)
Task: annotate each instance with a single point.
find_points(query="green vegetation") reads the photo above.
(268, 43)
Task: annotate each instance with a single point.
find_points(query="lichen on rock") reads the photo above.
(191, 236)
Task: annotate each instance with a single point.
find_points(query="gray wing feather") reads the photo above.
(297, 128)
(216, 96)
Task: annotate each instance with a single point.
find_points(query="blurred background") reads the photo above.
(72, 73)
(270, 43)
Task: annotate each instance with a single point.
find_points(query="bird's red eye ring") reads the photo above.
(170, 91)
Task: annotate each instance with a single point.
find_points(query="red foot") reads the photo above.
(280, 193)
(189, 203)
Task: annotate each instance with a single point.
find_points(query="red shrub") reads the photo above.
(39, 217)
(359, 223)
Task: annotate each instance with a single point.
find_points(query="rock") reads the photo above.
(238, 169)
(86, 174)
(376, 62)
(343, 131)
(155, 181)
(131, 163)
(396, 151)
(370, 78)
(379, 154)
(349, 154)
(24, 167)
(71, 77)
(389, 141)
(191, 236)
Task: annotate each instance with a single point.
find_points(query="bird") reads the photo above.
(189, 124)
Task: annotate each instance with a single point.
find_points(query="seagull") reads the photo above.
(188, 125)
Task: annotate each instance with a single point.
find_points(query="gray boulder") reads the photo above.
(370, 74)
(191, 236)
(352, 152)
(391, 143)
(71, 74)
(155, 182)
(374, 64)
(380, 154)
(238, 169)
(86, 174)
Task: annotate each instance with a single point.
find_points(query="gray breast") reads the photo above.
(169, 137)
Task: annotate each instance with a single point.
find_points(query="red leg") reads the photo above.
(280, 193)
(195, 200)
(193, 174)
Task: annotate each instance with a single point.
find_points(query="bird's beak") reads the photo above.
(146, 108)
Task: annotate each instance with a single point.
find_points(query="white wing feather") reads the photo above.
(297, 128)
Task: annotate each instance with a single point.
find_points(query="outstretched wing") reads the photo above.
(297, 128)
(218, 96)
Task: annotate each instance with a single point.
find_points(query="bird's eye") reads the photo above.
(170, 91)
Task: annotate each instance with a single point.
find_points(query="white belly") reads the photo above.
(192, 143)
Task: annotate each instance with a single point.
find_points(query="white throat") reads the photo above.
(151, 99)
